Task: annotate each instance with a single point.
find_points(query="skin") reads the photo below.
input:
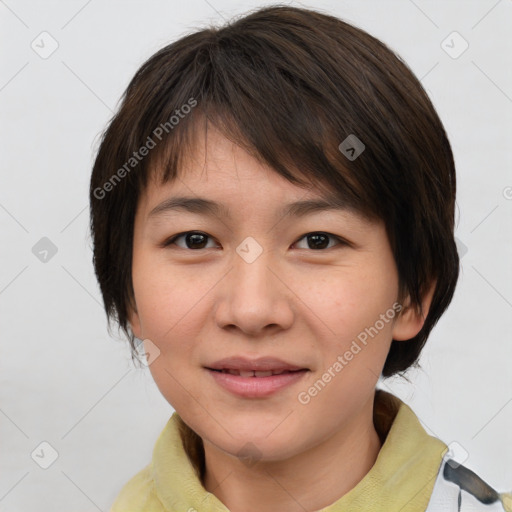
(294, 302)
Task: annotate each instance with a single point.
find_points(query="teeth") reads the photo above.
(263, 374)
(254, 373)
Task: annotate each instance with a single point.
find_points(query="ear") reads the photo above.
(409, 322)
(135, 323)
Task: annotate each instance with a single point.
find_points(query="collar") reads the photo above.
(402, 477)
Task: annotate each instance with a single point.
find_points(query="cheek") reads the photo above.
(165, 296)
(358, 339)
(349, 299)
(173, 306)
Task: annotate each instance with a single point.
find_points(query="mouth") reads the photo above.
(254, 373)
(255, 384)
(255, 378)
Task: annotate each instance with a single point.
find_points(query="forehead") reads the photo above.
(218, 177)
(216, 166)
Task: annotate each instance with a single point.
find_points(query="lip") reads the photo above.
(260, 364)
(255, 387)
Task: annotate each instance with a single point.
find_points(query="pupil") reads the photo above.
(195, 238)
(317, 241)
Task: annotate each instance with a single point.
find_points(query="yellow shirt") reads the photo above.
(402, 479)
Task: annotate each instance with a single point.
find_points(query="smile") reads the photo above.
(254, 373)
(253, 383)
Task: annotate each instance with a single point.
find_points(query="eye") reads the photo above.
(196, 240)
(193, 240)
(320, 240)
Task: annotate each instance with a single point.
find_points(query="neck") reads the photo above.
(310, 480)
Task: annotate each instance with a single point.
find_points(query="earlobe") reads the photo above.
(410, 321)
(135, 324)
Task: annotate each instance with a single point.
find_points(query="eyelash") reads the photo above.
(171, 241)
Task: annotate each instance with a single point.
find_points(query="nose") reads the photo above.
(255, 297)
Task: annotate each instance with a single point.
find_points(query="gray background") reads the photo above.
(66, 382)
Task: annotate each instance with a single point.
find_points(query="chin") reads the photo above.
(256, 445)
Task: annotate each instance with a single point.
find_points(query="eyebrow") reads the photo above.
(203, 206)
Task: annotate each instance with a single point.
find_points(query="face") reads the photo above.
(312, 293)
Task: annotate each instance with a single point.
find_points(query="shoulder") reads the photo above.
(138, 494)
(459, 489)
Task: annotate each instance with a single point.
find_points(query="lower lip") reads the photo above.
(256, 387)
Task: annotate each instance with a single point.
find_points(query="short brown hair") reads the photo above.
(289, 85)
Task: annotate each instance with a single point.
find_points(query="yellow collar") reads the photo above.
(401, 479)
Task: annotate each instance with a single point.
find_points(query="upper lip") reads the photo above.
(259, 364)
